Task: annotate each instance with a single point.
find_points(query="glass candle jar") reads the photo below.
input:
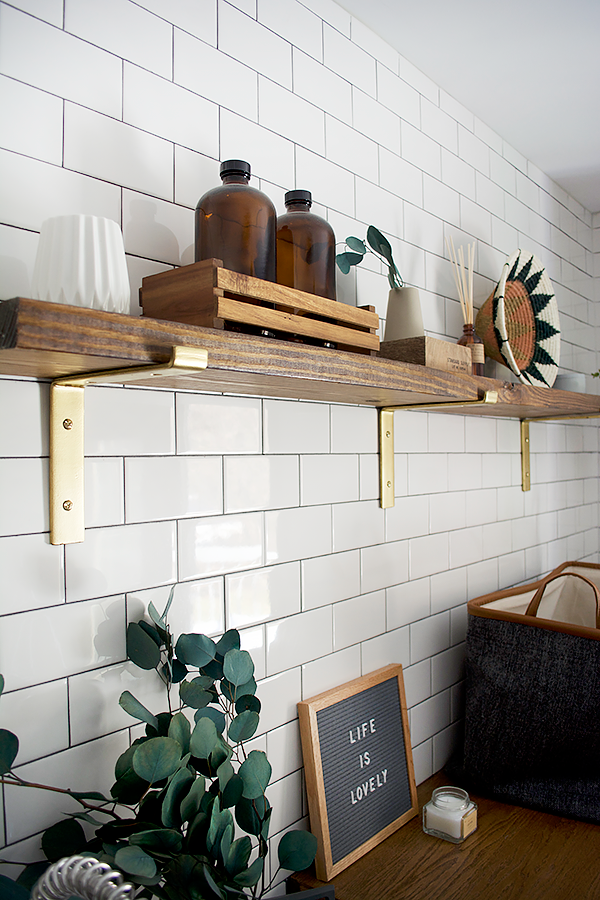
(450, 814)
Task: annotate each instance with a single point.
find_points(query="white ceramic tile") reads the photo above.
(464, 471)
(285, 797)
(446, 434)
(384, 565)
(289, 115)
(349, 60)
(24, 491)
(330, 671)
(481, 507)
(458, 624)
(137, 269)
(374, 44)
(39, 717)
(375, 121)
(207, 424)
(284, 750)
(169, 111)
(447, 668)
(122, 421)
(428, 555)
(254, 45)
(374, 204)
(321, 86)
(36, 121)
(32, 573)
(466, 546)
(214, 75)
(358, 619)
(369, 476)
(419, 80)
(447, 511)
(393, 647)
(57, 62)
(430, 717)
(86, 768)
(423, 761)
(292, 427)
(357, 525)
(421, 150)
(49, 10)
(260, 482)
(103, 492)
(402, 179)
(458, 174)
(417, 682)
(428, 473)
(439, 125)
(496, 470)
(480, 434)
(482, 578)
(398, 95)
(199, 17)
(293, 22)
(124, 29)
(125, 558)
(353, 429)
(113, 151)
(331, 12)
(269, 155)
(445, 744)
(475, 220)
(19, 249)
(61, 640)
(425, 231)
(181, 486)
(351, 150)
(216, 545)
(298, 639)
(330, 184)
(156, 229)
(448, 589)
(297, 533)
(279, 695)
(429, 636)
(327, 579)
(263, 595)
(407, 518)
(52, 191)
(473, 150)
(407, 603)
(328, 478)
(94, 699)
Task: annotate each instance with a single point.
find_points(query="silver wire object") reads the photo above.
(84, 877)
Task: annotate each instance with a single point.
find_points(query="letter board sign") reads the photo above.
(358, 764)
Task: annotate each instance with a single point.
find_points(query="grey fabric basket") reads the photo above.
(532, 715)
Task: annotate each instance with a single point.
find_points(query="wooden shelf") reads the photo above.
(47, 340)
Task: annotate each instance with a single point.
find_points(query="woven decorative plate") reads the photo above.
(519, 323)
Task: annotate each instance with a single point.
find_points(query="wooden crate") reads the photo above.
(207, 294)
(428, 351)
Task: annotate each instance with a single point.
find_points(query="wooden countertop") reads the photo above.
(515, 854)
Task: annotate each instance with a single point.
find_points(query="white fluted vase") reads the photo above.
(81, 261)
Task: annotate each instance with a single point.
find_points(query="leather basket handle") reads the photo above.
(535, 600)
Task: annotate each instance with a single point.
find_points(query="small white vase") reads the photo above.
(81, 261)
(404, 318)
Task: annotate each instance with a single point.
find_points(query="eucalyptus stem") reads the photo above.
(20, 782)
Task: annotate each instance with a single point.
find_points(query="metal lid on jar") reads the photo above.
(298, 197)
(235, 167)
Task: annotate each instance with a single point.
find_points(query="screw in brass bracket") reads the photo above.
(66, 434)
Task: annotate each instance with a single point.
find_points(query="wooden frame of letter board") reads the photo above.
(326, 869)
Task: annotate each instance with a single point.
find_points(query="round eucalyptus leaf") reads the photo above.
(250, 876)
(229, 641)
(297, 850)
(250, 814)
(193, 695)
(232, 794)
(66, 838)
(212, 883)
(216, 715)
(129, 788)
(379, 243)
(180, 730)
(141, 648)
(214, 668)
(178, 671)
(255, 773)
(1, 683)
(204, 738)
(243, 726)
(135, 861)
(136, 709)
(238, 856)
(156, 759)
(342, 263)
(190, 804)
(356, 244)
(195, 650)
(238, 667)
(178, 787)
(162, 841)
(248, 701)
(224, 773)
(9, 747)
(151, 631)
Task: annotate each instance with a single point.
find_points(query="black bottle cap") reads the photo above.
(235, 167)
(298, 197)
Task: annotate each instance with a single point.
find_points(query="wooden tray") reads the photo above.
(206, 294)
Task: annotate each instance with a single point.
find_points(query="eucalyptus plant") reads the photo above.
(380, 247)
(183, 792)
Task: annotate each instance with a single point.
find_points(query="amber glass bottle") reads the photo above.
(305, 248)
(237, 223)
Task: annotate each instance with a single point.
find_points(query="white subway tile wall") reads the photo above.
(265, 512)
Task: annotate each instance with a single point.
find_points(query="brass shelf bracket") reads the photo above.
(386, 437)
(526, 445)
(67, 404)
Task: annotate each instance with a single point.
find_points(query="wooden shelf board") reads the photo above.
(47, 340)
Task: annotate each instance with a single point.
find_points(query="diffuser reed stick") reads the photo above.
(463, 278)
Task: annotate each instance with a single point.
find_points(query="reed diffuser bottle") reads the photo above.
(463, 277)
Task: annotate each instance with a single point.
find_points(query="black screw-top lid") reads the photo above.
(234, 167)
(298, 196)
